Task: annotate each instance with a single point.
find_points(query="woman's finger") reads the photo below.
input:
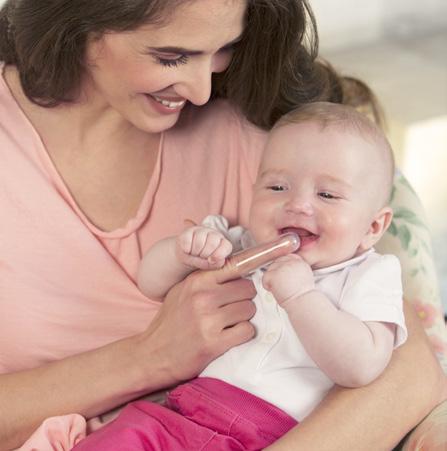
(237, 312)
(236, 335)
(245, 262)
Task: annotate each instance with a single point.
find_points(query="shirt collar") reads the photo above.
(342, 265)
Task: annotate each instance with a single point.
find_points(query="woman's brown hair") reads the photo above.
(274, 68)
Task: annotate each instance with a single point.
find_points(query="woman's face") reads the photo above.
(149, 74)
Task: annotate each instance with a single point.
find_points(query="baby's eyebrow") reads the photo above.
(271, 173)
(336, 180)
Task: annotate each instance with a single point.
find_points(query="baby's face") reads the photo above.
(321, 184)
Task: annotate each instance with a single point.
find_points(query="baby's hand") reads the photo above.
(288, 277)
(202, 248)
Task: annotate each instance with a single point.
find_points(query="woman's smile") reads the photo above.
(165, 105)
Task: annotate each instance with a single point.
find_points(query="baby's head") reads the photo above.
(326, 174)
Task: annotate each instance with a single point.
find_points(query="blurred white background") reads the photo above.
(399, 47)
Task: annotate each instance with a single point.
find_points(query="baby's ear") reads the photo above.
(380, 223)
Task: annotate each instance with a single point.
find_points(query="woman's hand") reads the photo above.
(207, 314)
(199, 320)
(202, 317)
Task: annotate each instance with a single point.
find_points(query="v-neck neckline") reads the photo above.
(145, 206)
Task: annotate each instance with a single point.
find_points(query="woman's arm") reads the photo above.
(200, 318)
(191, 328)
(378, 415)
(88, 383)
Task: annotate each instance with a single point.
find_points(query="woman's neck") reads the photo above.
(105, 162)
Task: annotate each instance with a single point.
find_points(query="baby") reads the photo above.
(329, 313)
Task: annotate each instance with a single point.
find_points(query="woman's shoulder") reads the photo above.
(15, 130)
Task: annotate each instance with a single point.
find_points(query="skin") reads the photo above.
(105, 146)
(156, 70)
(319, 183)
(392, 393)
(100, 146)
(392, 397)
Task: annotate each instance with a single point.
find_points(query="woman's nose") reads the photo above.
(197, 87)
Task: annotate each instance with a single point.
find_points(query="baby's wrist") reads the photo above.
(300, 296)
(182, 258)
(186, 263)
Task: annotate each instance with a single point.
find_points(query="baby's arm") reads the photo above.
(170, 260)
(352, 353)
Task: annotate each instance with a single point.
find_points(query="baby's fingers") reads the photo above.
(199, 241)
(185, 240)
(214, 241)
(220, 253)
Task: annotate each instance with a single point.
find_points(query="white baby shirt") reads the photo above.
(274, 365)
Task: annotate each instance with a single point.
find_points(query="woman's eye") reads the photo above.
(172, 62)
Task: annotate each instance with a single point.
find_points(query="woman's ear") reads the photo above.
(380, 223)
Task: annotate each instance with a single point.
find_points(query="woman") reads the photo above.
(107, 146)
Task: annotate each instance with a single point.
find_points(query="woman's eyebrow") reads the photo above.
(181, 50)
(185, 51)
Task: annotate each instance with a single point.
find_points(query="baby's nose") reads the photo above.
(297, 206)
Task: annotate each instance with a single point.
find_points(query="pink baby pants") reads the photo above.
(203, 414)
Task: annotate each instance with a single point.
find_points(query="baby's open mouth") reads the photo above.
(306, 236)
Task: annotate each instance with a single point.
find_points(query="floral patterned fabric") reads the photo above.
(409, 239)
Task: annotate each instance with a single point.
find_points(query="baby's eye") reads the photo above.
(276, 188)
(325, 195)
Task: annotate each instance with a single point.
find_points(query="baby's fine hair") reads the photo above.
(347, 118)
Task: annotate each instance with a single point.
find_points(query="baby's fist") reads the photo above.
(202, 248)
(287, 277)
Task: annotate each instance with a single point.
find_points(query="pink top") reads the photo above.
(66, 286)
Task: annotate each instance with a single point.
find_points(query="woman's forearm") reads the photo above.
(376, 416)
(89, 384)
(201, 317)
